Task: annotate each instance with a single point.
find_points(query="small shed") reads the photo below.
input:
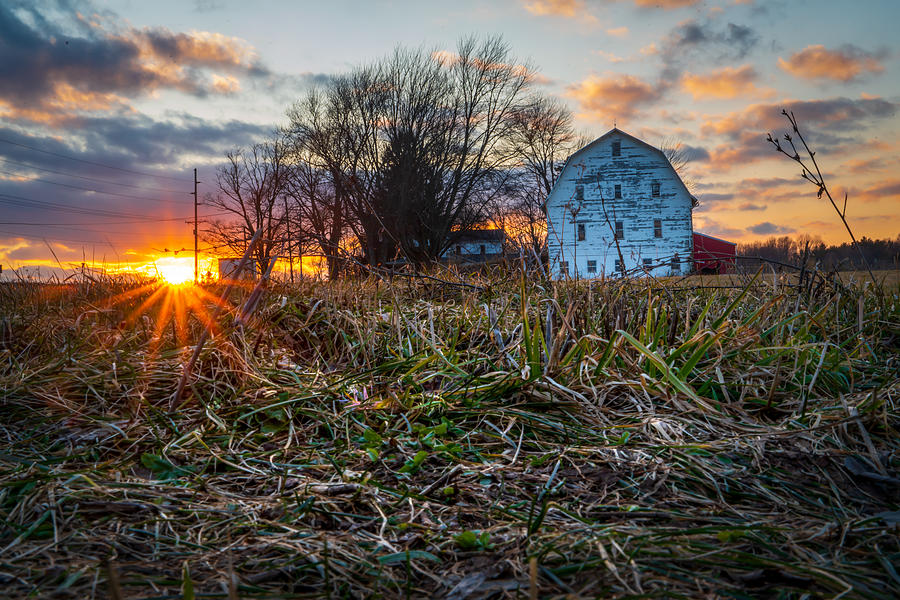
(712, 254)
(228, 266)
(476, 245)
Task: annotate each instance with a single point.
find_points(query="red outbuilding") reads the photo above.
(713, 255)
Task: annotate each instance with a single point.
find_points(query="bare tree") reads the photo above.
(417, 145)
(680, 157)
(249, 187)
(541, 140)
(317, 212)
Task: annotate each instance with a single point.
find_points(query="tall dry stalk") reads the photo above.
(813, 174)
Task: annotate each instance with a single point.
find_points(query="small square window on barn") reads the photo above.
(563, 266)
(458, 249)
(579, 193)
(592, 266)
(620, 230)
(657, 228)
(617, 148)
(618, 190)
(648, 262)
(581, 232)
(676, 264)
(481, 249)
(655, 189)
(619, 266)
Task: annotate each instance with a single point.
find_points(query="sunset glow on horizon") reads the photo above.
(175, 270)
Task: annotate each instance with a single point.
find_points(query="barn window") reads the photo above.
(581, 232)
(617, 148)
(657, 228)
(579, 193)
(648, 263)
(618, 190)
(620, 230)
(563, 266)
(481, 249)
(592, 266)
(619, 266)
(655, 189)
(458, 250)
(676, 263)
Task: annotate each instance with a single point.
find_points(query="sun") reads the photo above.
(175, 270)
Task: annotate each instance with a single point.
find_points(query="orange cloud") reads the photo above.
(883, 190)
(225, 85)
(818, 62)
(665, 4)
(830, 114)
(57, 106)
(859, 166)
(727, 82)
(559, 8)
(60, 76)
(616, 97)
(619, 32)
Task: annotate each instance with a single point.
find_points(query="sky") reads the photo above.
(107, 107)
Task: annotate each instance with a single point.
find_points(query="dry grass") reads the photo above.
(532, 439)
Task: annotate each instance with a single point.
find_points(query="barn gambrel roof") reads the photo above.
(602, 138)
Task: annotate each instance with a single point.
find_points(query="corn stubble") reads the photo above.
(518, 439)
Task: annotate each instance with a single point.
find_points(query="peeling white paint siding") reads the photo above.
(585, 198)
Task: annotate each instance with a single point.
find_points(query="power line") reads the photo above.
(78, 187)
(42, 224)
(90, 162)
(94, 179)
(29, 203)
(43, 237)
(105, 242)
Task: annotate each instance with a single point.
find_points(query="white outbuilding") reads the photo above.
(619, 207)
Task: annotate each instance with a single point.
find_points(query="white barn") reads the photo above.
(619, 207)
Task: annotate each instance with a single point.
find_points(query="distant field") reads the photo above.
(885, 277)
(494, 437)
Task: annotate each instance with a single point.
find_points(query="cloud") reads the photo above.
(717, 229)
(733, 41)
(844, 64)
(832, 125)
(701, 42)
(759, 183)
(767, 228)
(859, 166)
(619, 32)
(614, 97)
(695, 154)
(710, 200)
(53, 70)
(883, 190)
(665, 4)
(747, 148)
(751, 206)
(559, 8)
(831, 114)
(727, 82)
(611, 57)
(114, 153)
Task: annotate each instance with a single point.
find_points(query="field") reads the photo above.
(483, 436)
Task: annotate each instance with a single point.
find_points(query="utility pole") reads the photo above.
(196, 257)
(287, 221)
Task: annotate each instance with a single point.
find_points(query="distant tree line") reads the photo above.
(881, 254)
(391, 160)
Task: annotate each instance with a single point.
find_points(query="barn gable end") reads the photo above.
(619, 207)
